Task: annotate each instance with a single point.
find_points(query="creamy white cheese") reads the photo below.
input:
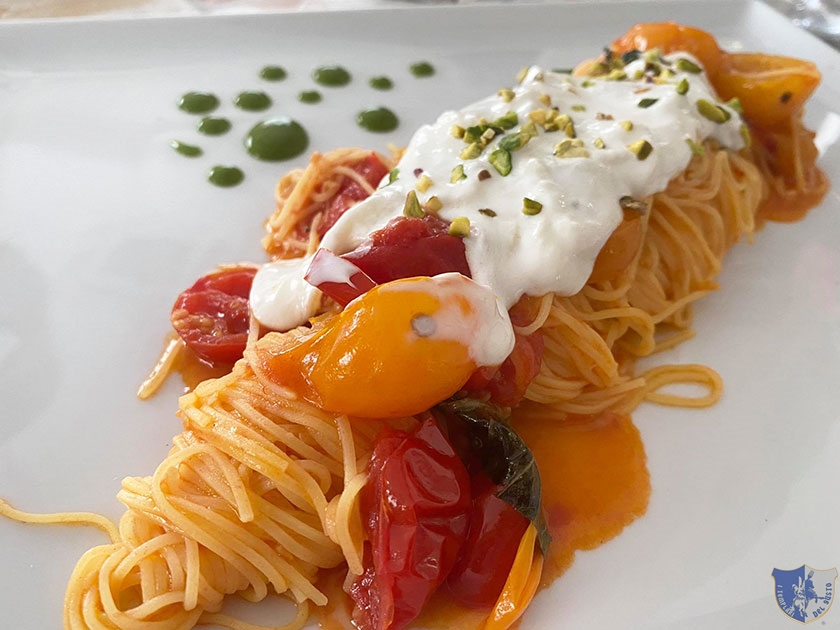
(512, 252)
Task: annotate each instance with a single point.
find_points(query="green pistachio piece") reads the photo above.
(642, 149)
(460, 227)
(457, 174)
(500, 160)
(682, 86)
(686, 65)
(412, 206)
(531, 207)
(712, 112)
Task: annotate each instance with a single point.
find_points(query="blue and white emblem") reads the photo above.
(804, 594)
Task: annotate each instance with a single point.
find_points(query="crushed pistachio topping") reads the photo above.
(746, 136)
(487, 136)
(412, 206)
(697, 148)
(531, 207)
(507, 121)
(587, 83)
(682, 87)
(571, 148)
(578, 108)
(483, 174)
(629, 203)
(393, 175)
(433, 204)
(460, 227)
(487, 212)
(599, 143)
(457, 131)
(523, 72)
(603, 116)
(500, 160)
(627, 125)
(646, 102)
(424, 182)
(507, 94)
(686, 65)
(545, 99)
(616, 75)
(471, 151)
(735, 104)
(457, 174)
(712, 112)
(642, 148)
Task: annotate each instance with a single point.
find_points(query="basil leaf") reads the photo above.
(484, 440)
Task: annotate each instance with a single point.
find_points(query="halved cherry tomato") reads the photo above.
(507, 383)
(483, 565)
(411, 246)
(212, 316)
(415, 508)
(350, 193)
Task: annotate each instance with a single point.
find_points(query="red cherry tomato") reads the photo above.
(416, 508)
(483, 565)
(351, 192)
(409, 247)
(212, 316)
(507, 383)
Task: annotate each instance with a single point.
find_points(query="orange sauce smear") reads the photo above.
(595, 482)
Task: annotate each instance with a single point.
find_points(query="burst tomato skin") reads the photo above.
(415, 508)
(483, 565)
(213, 315)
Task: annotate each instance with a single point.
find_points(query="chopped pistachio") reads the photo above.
(746, 136)
(616, 75)
(433, 204)
(665, 75)
(513, 142)
(599, 143)
(638, 75)
(587, 83)
(653, 55)
(507, 94)
(393, 175)
(546, 118)
(471, 151)
(735, 104)
(487, 136)
(646, 102)
(628, 203)
(627, 125)
(523, 72)
(697, 148)
(686, 65)
(457, 174)
(457, 131)
(460, 227)
(563, 70)
(473, 133)
(507, 121)
(570, 148)
(424, 182)
(545, 99)
(642, 149)
(578, 108)
(412, 206)
(487, 212)
(531, 207)
(603, 116)
(712, 112)
(500, 160)
(564, 122)
(682, 86)
(529, 129)
(483, 174)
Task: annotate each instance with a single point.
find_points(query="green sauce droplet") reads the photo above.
(225, 176)
(310, 96)
(380, 119)
(381, 83)
(422, 69)
(273, 73)
(213, 126)
(198, 102)
(183, 148)
(252, 101)
(331, 76)
(276, 139)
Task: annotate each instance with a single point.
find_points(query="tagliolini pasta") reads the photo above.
(262, 490)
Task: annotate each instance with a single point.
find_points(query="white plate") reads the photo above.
(101, 225)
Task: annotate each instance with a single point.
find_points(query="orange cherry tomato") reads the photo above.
(396, 351)
(672, 37)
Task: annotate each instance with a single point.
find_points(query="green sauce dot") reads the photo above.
(310, 96)
(225, 176)
(273, 73)
(198, 102)
(379, 119)
(185, 149)
(213, 126)
(422, 69)
(252, 101)
(381, 83)
(331, 76)
(276, 139)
